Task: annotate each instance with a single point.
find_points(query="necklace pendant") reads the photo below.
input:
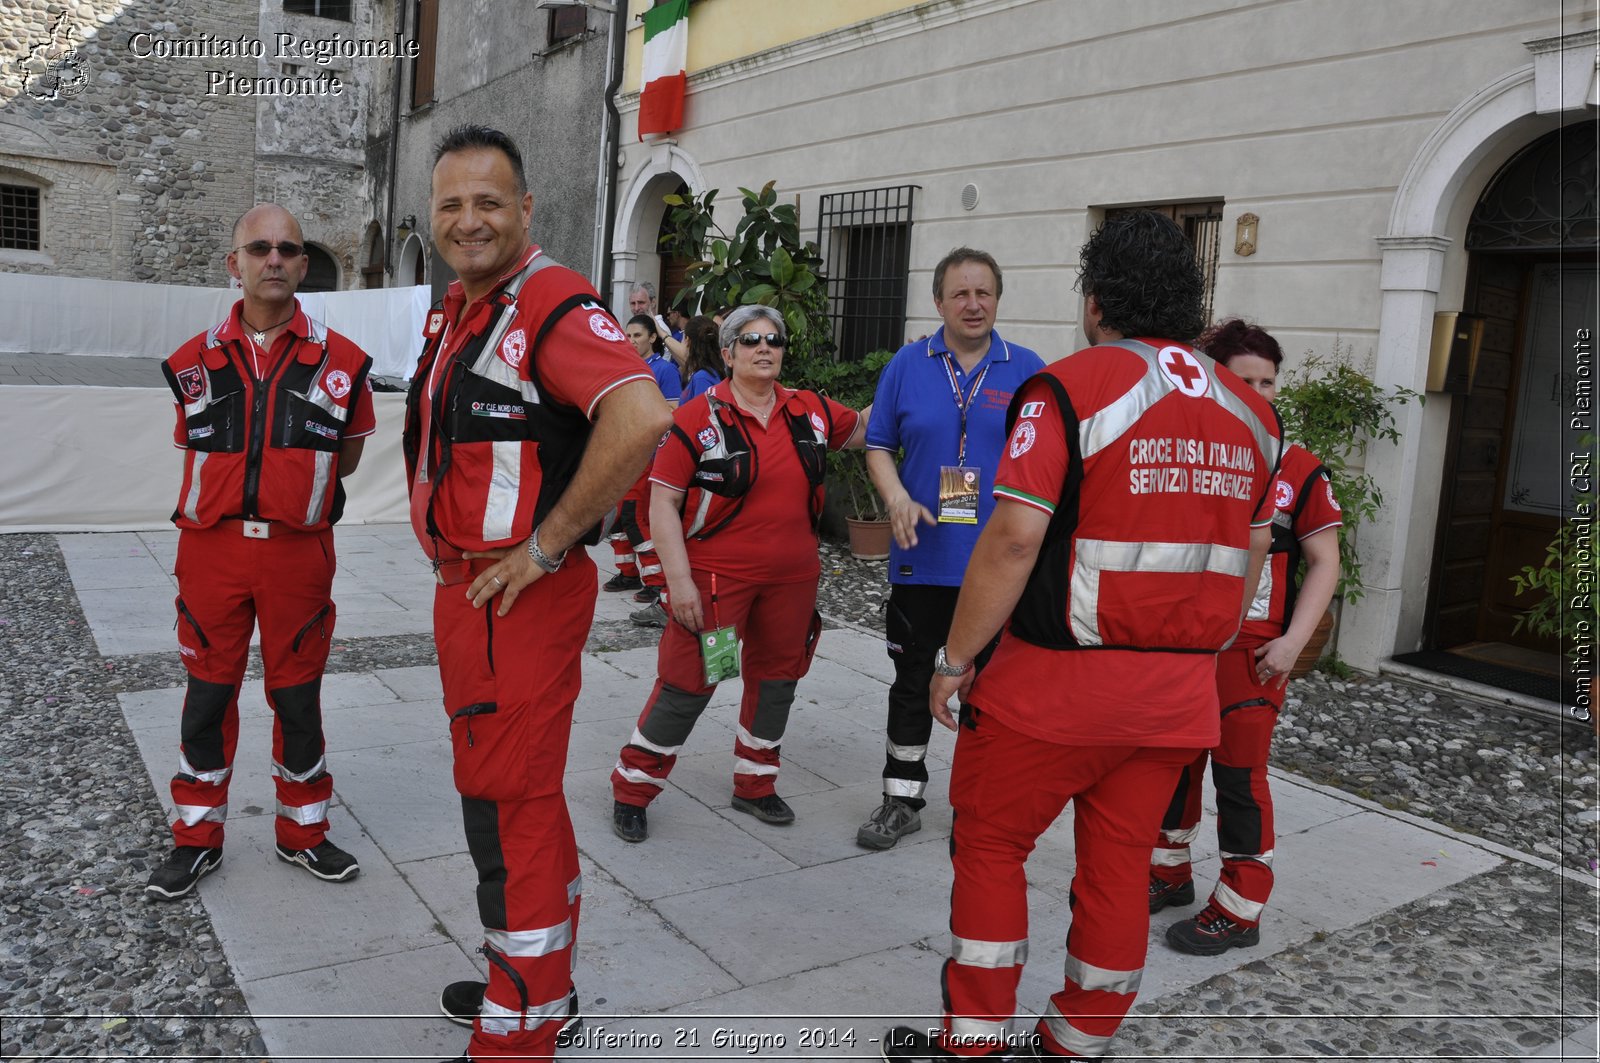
(260, 338)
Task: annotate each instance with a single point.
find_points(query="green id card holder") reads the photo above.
(719, 649)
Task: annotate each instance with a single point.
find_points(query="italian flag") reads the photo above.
(666, 52)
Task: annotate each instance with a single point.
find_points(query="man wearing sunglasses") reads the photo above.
(273, 410)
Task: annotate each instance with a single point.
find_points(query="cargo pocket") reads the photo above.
(487, 747)
(192, 641)
(898, 638)
(314, 633)
(813, 636)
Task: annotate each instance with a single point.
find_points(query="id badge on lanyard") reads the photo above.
(960, 484)
(719, 647)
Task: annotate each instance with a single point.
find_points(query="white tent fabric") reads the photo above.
(102, 459)
(74, 315)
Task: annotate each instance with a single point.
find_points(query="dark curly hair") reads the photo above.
(1228, 339)
(702, 352)
(1142, 272)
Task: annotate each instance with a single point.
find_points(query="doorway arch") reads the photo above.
(635, 254)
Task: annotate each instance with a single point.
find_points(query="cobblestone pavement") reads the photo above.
(1496, 967)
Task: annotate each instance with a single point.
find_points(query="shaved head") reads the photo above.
(262, 210)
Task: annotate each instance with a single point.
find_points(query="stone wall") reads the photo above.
(145, 172)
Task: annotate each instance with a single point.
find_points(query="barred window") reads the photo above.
(19, 218)
(866, 238)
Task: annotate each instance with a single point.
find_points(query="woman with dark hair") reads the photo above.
(702, 365)
(1251, 677)
(630, 541)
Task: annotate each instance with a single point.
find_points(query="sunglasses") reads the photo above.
(261, 249)
(752, 339)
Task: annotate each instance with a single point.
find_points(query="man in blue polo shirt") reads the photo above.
(941, 405)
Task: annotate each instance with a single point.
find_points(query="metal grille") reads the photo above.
(1544, 199)
(866, 242)
(19, 217)
(1204, 231)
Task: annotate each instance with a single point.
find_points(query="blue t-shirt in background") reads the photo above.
(666, 374)
(915, 410)
(702, 381)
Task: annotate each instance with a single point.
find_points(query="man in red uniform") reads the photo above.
(273, 408)
(1124, 534)
(529, 416)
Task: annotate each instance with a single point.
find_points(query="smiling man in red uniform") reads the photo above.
(529, 416)
(1131, 513)
(272, 411)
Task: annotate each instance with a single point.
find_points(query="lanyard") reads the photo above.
(963, 404)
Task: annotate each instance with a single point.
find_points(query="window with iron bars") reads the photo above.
(1202, 224)
(865, 237)
(19, 218)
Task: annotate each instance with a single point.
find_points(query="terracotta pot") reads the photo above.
(1314, 646)
(869, 539)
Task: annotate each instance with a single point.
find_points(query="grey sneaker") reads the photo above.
(890, 822)
(652, 615)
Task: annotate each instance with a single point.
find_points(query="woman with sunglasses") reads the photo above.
(702, 363)
(1251, 677)
(736, 493)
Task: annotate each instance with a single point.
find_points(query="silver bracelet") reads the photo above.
(542, 559)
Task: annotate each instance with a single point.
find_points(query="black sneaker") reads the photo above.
(647, 594)
(178, 874)
(620, 582)
(1210, 933)
(1164, 894)
(628, 822)
(326, 861)
(768, 809)
(652, 615)
(890, 822)
(904, 1044)
(461, 1001)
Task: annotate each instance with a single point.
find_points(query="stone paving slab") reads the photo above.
(719, 922)
(54, 370)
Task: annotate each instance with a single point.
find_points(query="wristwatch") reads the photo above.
(942, 665)
(542, 559)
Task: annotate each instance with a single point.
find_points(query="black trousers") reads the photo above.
(917, 624)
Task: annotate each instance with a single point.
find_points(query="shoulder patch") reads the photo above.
(435, 324)
(1283, 495)
(707, 437)
(192, 382)
(1030, 409)
(1022, 438)
(336, 383)
(514, 348)
(601, 325)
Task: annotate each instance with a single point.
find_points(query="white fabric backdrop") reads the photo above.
(102, 459)
(75, 315)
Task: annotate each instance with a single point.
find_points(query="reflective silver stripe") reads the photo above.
(741, 766)
(215, 778)
(700, 511)
(574, 889)
(1104, 427)
(192, 814)
(991, 954)
(1160, 857)
(500, 509)
(912, 753)
(541, 942)
(325, 402)
(637, 776)
(1069, 1037)
(1091, 557)
(638, 739)
(626, 559)
(320, 477)
(750, 741)
(1102, 979)
(649, 570)
(646, 546)
(305, 815)
(1260, 858)
(191, 501)
(976, 1029)
(497, 1021)
(1181, 837)
(496, 369)
(305, 776)
(1235, 905)
(1261, 604)
(904, 787)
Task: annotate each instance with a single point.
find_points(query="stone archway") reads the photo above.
(413, 263)
(634, 253)
(1427, 222)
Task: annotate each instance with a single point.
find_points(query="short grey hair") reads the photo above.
(736, 320)
(646, 287)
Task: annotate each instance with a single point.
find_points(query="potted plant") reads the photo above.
(1565, 598)
(853, 384)
(1332, 409)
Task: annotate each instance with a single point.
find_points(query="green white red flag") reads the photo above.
(664, 72)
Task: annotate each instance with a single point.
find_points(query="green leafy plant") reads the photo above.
(1333, 409)
(853, 384)
(1566, 585)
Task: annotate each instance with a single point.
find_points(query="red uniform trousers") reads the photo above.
(1006, 789)
(227, 583)
(1244, 802)
(778, 626)
(630, 541)
(510, 684)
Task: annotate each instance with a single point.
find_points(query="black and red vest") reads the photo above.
(265, 449)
